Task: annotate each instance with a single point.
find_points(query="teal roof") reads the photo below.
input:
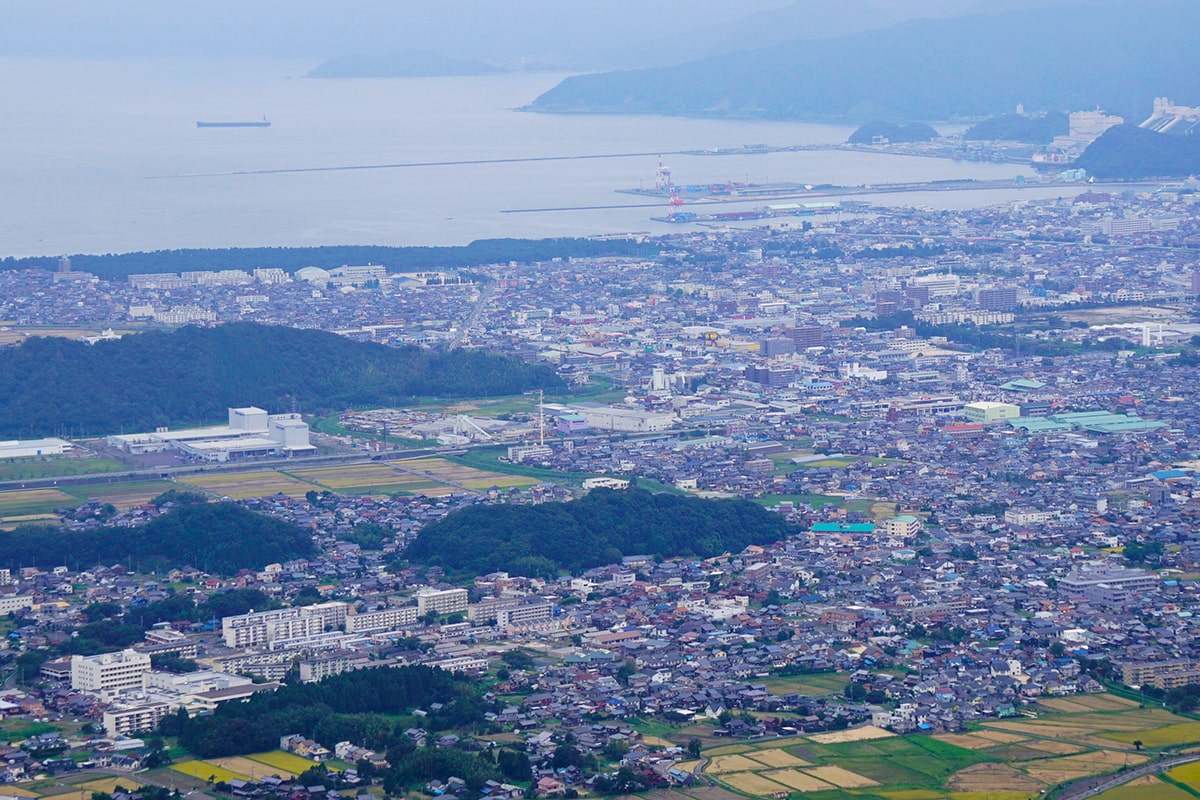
(1022, 385)
(843, 527)
(1038, 425)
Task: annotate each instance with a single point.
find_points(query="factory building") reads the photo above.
(32, 448)
(250, 432)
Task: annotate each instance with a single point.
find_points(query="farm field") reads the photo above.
(996, 760)
(814, 685)
(123, 495)
(281, 760)
(21, 502)
(204, 771)
(1147, 787)
(23, 469)
(109, 784)
(443, 470)
(240, 485)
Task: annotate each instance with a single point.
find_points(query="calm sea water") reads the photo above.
(93, 154)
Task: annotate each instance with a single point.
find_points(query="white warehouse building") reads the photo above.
(251, 432)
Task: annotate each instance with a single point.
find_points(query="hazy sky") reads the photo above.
(565, 33)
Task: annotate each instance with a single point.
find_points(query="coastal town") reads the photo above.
(979, 425)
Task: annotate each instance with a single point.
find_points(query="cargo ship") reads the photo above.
(263, 123)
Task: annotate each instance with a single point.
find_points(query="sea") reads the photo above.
(106, 157)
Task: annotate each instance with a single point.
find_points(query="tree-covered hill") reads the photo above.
(1111, 55)
(220, 538)
(1040, 129)
(192, 375)
(597, 529)
(894, 132)
(396, 259)
(1128, 152)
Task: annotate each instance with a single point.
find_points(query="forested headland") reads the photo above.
(1127, 152)
(894, 132)
(397, 259)
(198, 535)
(599, 528)
(1039, 129)
(193, 375)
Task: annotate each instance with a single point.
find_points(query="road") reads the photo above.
(1085, 791)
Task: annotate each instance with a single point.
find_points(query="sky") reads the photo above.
(554, 33)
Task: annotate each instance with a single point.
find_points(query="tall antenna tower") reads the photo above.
(541, 417)
(662, 177)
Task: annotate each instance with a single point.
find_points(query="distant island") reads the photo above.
(404, 64)
(893, 133)
(923, 70)
(1130, 153)
(1024, 128)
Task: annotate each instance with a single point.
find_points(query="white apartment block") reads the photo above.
(129, 720)
(389, 619)
(109, 672)
(261, 628)
(441, 601)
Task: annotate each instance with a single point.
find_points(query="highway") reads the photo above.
(1084, 790)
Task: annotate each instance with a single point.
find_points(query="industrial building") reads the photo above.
(250, 432)
(986, 411)
(32, 448)
(624, 419)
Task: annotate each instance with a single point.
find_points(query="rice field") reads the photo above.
(842, 778)
(255, 769)
(863, 734)
(1180, 733)
(205, 771)
(800, 781)
(281, 760)
(241, 485)
(340, 477)
(754, 784)
(108, 785)
(779, 758)
(734, 763)
(22, 502)
(441, 469)
(1148, 787)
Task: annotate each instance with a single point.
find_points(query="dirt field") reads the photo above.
(1104, 702)
(797, 780)
(993, 777)
(779, 758)
(753, 784)
(723, 764)
(852, 735)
